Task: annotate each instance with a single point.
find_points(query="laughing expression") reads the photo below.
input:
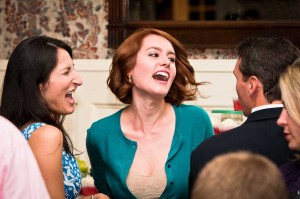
(59, 89)
(154, 71)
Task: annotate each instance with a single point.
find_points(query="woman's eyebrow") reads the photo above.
(159, 49)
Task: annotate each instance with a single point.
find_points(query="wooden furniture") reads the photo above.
(199, 34)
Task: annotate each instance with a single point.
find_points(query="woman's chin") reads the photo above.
(294, 146)
(71, 111)
(68, 111)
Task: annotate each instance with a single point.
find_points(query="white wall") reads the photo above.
(95, 101)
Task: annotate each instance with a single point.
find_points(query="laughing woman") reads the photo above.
(37, 95)
(143, 150)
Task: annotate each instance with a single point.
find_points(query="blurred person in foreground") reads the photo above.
(240, 175)
(257, 70)
(143, 150)
(290, 121)
(20, 176)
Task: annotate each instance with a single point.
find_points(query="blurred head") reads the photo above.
(290, 116)
(39, 82)
(239, 175)
(261, 61)
(184, 86)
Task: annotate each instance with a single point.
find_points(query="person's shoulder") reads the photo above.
(192, 114)
(108, 122)
(212, 141)
(190, 109)
(206, 151)
(104, 126)
(6, 126)
(48, 133)
(48, 138)
(219, 139)
(11, 136)
(209, 148)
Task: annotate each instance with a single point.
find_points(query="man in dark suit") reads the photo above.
(257, 70)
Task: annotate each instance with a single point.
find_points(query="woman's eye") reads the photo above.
(153, 55)
(172, 60)
(66, 72)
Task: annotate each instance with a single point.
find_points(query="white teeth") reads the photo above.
(70, 93)
(162, 74)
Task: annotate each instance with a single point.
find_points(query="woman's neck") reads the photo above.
(147, 116)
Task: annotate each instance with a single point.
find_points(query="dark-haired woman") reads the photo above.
(37, 94)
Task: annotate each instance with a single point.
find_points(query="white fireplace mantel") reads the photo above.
(94, 100)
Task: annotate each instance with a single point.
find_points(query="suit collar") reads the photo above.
(266, 106)
(264, 114)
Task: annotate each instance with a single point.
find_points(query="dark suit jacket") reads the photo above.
(258, 134)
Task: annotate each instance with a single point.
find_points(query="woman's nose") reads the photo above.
(77, 79)
(165, 61)
(281, 121)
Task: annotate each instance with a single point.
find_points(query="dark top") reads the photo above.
(258, 134)
(291, 173)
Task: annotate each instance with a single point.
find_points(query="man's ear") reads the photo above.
(254, 84)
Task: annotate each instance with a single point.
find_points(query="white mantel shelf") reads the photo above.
(94, 100)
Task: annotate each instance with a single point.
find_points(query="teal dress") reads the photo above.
(71, 172)
(111, 153)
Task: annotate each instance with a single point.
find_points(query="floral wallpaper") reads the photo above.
(80, 23)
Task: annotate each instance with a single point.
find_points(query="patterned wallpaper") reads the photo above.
(80, 23)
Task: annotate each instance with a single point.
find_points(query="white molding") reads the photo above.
(95, 101)
(207, 65)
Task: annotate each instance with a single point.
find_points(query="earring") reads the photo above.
(129, 79)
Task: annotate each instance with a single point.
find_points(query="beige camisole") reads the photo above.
(146, 187)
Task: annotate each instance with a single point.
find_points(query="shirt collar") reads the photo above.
(266, 107)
